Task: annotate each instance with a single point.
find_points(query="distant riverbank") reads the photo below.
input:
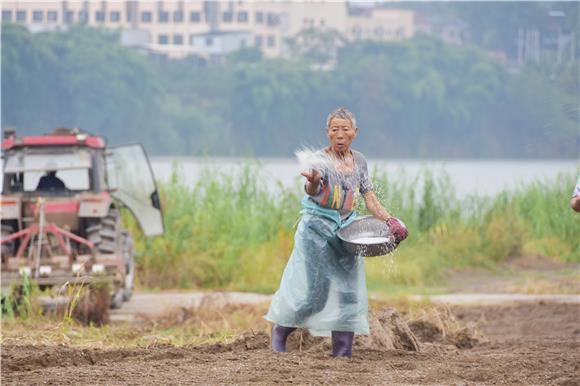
(484, 177)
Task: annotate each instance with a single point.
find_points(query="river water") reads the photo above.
(483, 177)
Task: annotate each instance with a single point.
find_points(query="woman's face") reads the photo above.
(340, 134)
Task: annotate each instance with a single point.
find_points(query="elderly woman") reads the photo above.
(323, 287)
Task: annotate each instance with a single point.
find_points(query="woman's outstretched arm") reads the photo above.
(374, 206)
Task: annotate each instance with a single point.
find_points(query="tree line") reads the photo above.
(415, 98)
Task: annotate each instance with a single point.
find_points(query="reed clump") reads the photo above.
(234, 232)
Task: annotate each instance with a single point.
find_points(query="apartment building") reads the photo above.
(449, 30)
(210, 28)
(384, 24)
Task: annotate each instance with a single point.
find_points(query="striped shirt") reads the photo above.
(337, 189)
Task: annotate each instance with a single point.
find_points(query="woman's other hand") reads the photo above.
(313, 179)
(398, 229)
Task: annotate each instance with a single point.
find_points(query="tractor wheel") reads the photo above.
(104, 234)
(8, 248)
(129, 257)
(117, 298)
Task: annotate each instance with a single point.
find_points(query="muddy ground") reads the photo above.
(525, 344)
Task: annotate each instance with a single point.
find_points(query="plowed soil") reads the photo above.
(526, 344)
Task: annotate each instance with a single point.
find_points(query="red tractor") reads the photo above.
(60, 203)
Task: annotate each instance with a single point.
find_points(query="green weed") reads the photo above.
(21, 301)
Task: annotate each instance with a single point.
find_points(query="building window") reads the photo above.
(271, 41)
(259, 17)
(21, 16)
(163, 16)
(209, 41)
(242, 17)
(195, 17)
(52, 16)
(178, 39)
(83, 16)
(178, 16)
(274, 20)
(146, 17)
(115, 16)
(100, 16)
(163, 39)
(379, 32)
(258, 40)
(69, 17)
(37, 16)
(6, 16)
(228, 17)
(191, 40)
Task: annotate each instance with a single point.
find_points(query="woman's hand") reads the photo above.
(313, 179)
(398, 229)
(396, 226)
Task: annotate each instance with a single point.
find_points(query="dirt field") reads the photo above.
(521, 344)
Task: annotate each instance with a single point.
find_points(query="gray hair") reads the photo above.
(342, 113)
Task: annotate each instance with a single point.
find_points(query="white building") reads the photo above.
(180, 28)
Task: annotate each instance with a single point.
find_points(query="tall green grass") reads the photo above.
(477, 232)
(20, 301)
(219, 233)
(231, 232)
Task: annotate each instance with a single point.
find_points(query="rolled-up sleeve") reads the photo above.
(365, 181)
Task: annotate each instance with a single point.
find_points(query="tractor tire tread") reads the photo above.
(107, 247)
(95, 238)
(108, 233)
(109, 222)
(93, 228)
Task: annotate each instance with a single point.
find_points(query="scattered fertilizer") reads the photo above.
(313, 159)
(370, 240)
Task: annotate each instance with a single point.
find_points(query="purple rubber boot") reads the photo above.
(279, 336)
(342, 343)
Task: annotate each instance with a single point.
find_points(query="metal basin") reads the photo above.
(367, 227)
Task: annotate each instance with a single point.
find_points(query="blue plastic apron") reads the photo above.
(323, 287)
